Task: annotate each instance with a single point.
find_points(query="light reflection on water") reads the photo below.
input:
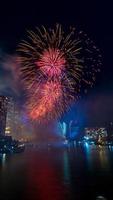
(98, 154)
(66, 168)
(57, 174)
(104, 159)
(3, 159)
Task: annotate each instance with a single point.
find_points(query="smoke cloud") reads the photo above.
(10, 84)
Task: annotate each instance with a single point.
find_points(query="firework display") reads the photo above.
(53, 67)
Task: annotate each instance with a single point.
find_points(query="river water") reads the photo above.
(73, 173)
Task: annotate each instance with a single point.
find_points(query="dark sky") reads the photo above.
(94, 17)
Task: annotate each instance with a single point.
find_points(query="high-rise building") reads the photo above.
(74, 130)
(10, 117)
(62, 128)
(95, 133)
(16, 123)
(13, 125)
(3, 114)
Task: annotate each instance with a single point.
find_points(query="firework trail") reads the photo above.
(53, 67)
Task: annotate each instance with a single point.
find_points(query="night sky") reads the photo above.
(94, 18)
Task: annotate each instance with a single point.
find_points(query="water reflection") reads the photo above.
(66, 167)
(2, 160)
(104, 158)
(57, 174)
(88, 150)
(44, 177)
(97, 157)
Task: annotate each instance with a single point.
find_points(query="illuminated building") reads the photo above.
(96, 134)
(70, 130)
(17, 125)
(63, 128)
(12, 119)
(3, 114)
(73, 130)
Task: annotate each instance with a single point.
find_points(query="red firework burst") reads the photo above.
(50, 96)
(52, 62)
(53, 67)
